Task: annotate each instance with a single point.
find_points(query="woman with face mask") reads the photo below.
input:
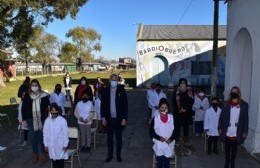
(58, 97)
(34, 112)
(56, 137)
(162, 132)
(84, 112)
(83, 87)
(233, 125)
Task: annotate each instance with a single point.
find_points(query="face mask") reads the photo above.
(54, 115)
(58, 90)
(84, 99)
(183, 86)
(234, 95)
(201, 94)
(34, 88)
(113, 83)
(158, 90)
(214, 105)
(83, 82)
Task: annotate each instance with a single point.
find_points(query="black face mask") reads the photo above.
(84, 100)
(158, 90)
(58, 90)
(54, 115)
(214, 105)
(234, 95)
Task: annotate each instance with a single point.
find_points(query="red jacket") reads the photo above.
(101, 87)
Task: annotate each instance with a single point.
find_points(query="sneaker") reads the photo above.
(24, 143)
(108, 159)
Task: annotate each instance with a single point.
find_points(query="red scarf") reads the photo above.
(234, 104)
(82, 88)
(164, 118)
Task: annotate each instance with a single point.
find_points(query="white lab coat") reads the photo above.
(84, 111)
(20, 118)
(55, 137)
(200, 113)
(148, 95)
(59, 99)
(211, 121)
(97, 108)
(164, 130)
(154, 100)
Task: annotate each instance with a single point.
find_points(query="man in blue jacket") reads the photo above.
(114, 110)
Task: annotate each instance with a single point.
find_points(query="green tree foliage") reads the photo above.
(68, 53)
(86, 40)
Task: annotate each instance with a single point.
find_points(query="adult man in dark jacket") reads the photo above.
(114, 110)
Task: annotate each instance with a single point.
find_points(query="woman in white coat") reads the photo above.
(201, 104)
(162, 132)
(56, 137)
(211, 125)
(58, 97)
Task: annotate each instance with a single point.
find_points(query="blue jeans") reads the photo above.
(163, 162)
(36, 136)
(199, 127)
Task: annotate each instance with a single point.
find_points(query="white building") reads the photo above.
(243, 60)
(166, 53)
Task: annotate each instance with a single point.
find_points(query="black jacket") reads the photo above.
(121, 103)
(242, 126)
(87, 90)
(27, 107)
(24, 88)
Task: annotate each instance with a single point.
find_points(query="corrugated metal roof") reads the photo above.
(179, 32)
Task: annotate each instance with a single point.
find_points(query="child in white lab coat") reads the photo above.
(162, 132)
(56, 137)
(58, 97)
(211, 125)
(201, 104)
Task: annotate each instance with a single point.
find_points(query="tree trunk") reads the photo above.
(215, 50)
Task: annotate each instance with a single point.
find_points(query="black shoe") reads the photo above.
(216, 152)
(108, 159)
(119, 159)
(226, 166)
(232, 165)
(83, 149)
(87, 149)
(209, 152)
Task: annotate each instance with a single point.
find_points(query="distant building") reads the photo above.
(166, 53)
(126, 63)
(242, 62)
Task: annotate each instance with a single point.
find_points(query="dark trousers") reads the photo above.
(230, 152)
(214, 140)
(25, 135)
(114, 125)
(199, 127)
(58, 163)
(182, 123)
(36, 137)
(163, 162)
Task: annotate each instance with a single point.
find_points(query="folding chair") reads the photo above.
(206, 137)
(94, 130)
(173, 161)
(4, 116)
(73, 134)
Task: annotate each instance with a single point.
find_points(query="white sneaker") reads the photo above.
(24, 143)
(2, 148)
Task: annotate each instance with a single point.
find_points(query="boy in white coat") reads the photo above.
(56, 137)
(201, 104)
(211, 125)
(58, 97)
(155, 98)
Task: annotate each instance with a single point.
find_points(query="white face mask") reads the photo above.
(201, 94)
(83, 82)
(34, 88)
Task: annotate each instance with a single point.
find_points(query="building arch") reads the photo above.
(159, 70)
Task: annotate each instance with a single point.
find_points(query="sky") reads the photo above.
(114, 20)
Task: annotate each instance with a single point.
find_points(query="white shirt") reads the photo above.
(55, 137)
(211, 121)
(200, 113)
(164, 130)
(59, 99)
(234, 116)
(84, 111)
(154, 100)
(97, 108)
(148, 95)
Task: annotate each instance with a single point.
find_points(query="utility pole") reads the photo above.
(215, 50)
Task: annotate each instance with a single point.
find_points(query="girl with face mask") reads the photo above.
(58, 97)
(56, 137)
(34, 112)
(162, 132)
(82, 88)
(233, 125)
(84, 112)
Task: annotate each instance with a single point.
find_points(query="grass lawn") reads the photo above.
(48, 82)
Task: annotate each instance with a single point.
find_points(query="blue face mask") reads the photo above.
(113, 83)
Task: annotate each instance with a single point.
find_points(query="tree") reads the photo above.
(44, 46)
(18, 17)
(87, 41)
(68, 53)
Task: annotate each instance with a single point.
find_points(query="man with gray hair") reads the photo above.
(114, 110)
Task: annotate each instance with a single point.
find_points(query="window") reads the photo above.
(201, 68)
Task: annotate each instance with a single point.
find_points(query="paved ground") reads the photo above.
(136, 152)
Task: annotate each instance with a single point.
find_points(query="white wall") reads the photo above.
(243, 16)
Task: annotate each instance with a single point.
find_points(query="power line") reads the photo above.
(185, 11)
